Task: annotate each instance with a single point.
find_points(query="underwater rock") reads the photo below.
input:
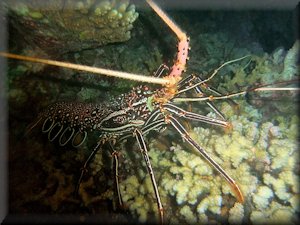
(62, 26)
(17, 98)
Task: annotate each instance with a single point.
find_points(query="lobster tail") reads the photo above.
(66, 136)
(55, 131)
(79, 138)
(63, 133)
(47, 125)
(69, 122)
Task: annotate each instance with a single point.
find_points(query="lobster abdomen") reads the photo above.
(84, 116)
(70, 121)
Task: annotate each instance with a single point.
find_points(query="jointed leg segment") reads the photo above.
(84, 168)
(115, 155)
(184, 134)
(143, 148)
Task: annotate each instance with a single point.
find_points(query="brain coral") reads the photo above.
(62, 26)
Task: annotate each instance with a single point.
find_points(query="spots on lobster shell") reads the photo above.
(94, 113)
(82, 116)
(69, 122)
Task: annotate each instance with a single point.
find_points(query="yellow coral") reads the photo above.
(186, 212)
(211, 203)
(236, 214)
(276, 213)
(261, 198)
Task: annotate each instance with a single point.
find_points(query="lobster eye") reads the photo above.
(119, 119)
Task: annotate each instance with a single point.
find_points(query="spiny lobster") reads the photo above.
(137, 113)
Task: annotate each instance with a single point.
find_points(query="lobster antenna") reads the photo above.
(211, 98)
(96, 70)
(183, 45)
(175, 28)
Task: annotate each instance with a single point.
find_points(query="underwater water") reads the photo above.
(260, 152)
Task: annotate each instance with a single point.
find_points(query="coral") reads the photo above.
(261, 198)
(187, 213)
(265, 69)
(71, 31)
(290, 62)
(279, 187)
(258, 154)
(236, 214)
(63, 26)
(275, 213)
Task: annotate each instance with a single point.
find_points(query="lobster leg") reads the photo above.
(84, 168)
(160, 70)
(157, 125)
(212, 75)
(216, 92)
(115, 155)
(191, 80)
(194, 116)
(155, 115)
(185, 135)
(143, 148)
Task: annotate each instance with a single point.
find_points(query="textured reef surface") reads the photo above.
(260, 152)
(62, 26)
